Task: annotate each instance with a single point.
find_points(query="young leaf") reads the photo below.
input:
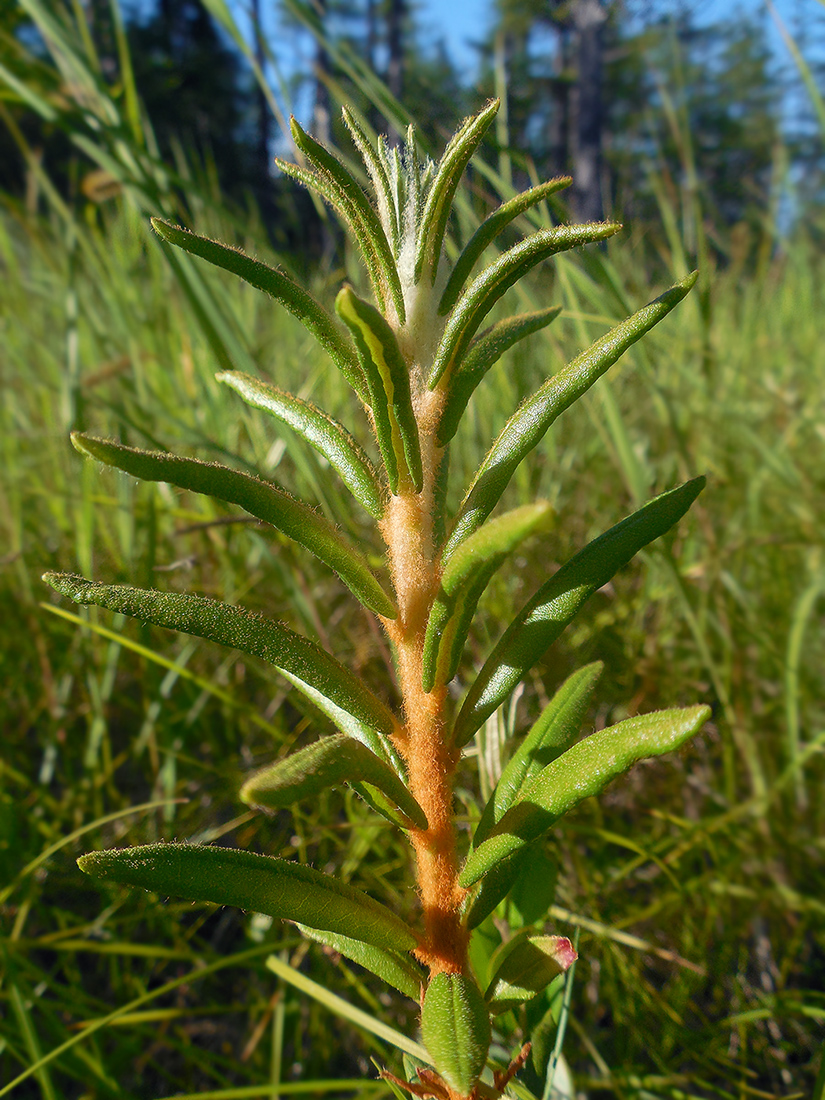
(334, 181)
(262, 884)
(524, 967)
(332, 687)
(272, 505)
(377, 171)
(397, 970)
(388, 380)
(489, 230)
(329, 438)
(583, 771)
(455, 1027)
(483, 353)
(329, 762)
(466, 576)
(277, 285)
(552, 733)
(527, 426)
(486, 289)
(559, 600)
(439, 200)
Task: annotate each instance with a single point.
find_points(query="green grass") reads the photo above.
(695, 885)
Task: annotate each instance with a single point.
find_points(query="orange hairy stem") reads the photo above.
(431, 765)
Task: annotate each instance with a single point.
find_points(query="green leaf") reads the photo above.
(337, 692)
(496, 885)
(455, 1027)
(467, 574)
(335, 183)
(326, 435)
(329, 762)
(555, 730)
(262, 884)
(583, 771)
(377, 170)
(486, 289)
(397, 970)
(524, 967)
(277, 285)
(527, 426)
(388, 380)
(559, 599)
(272, 505)
(489, 230)
(439, 201)
(483, 353)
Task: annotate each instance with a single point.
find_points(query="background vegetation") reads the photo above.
(695, 886)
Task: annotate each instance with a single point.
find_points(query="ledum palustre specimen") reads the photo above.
(413, 357)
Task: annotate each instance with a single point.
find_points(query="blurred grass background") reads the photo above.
(695, 884)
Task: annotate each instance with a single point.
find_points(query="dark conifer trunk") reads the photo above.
(588, 19)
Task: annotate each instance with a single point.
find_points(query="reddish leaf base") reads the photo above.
(433, 1086)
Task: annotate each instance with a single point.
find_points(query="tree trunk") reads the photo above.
(321, 126)
(395, 47)
(588, 19)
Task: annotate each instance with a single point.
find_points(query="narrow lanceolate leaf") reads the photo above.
(527, 426)
(379, 177)
(327, 683)
(397, 970)
(261, 884)
(330, 762)
(559, 600)
(486, 289)
(326, 435)
(455, 1027)
(272, 505)
(334, 181)
(440, 198)
(583, 771)
(280, 287)
(467, 575)
(484, 352)
(388, 381)
(555, 730)
(489, 230)
(497, 884)
(524, 967)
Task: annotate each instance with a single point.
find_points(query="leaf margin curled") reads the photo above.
(482, 354)
(463, 581)
(529, 423)
(554, 605)
(261, 499)
(324, 680)
(494, 281)
(582, 772)
(278, 285)
(328, 762)
(493, 224)
(556, 728)
(330, 438)
(537, 958)
(245, 879)
(388, 380)
(397, 970)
